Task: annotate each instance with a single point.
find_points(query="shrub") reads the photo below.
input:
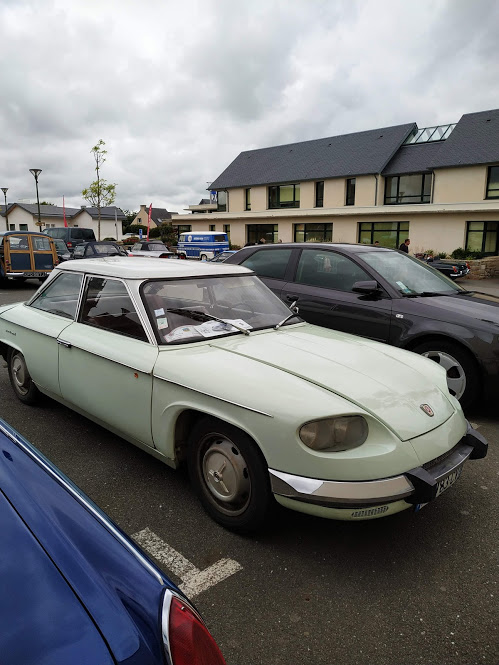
(469, 254)
(113, 239)
(458, 253)
(442, 255)
(232, 246)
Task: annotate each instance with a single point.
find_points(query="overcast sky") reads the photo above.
(177, 89)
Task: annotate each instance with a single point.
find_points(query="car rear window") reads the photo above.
(81, 234)
(56, 233)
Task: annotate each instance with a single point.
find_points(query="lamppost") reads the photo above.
(4, 190)
(36, 173)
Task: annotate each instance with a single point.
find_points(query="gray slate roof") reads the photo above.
(108, 212)
(414, 159)
(58, 211)
(356, 154)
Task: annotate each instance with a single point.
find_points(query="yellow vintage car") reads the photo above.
(26, 254)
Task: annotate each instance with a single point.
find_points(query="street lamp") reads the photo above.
(4, 190)
(36, 173)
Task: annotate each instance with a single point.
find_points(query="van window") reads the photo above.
(56, 233)
(82, 234)
(219, 238)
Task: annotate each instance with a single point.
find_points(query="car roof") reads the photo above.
(128, 267)
(345, 246)
(24, 233)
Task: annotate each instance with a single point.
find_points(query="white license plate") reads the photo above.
(448, 481)
(33, 274)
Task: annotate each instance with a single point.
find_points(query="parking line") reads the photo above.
(194, 581)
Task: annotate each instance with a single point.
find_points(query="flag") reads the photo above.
(64, 212)
(149, 221)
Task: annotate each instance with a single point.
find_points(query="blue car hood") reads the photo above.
(43, 622)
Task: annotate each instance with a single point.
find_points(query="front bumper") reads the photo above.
(417, 486)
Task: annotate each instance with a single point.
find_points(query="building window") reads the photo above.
(258, 232)
(492, 183)
(408, 189)
(182, 228)
(319, 194)
(12, 227)
(313, 232)
(350, 192)
(222, 201)
(227, 231)
(388, 234)
(247, 203)
(482, 237)
(284, 196)
(212, 227)
(23, 227)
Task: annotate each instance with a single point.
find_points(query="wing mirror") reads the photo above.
(370, 286)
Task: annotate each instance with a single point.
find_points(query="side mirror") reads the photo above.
(365, 287)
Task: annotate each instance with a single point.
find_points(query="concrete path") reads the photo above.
(485, 285)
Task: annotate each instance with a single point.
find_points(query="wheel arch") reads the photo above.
(436, 337)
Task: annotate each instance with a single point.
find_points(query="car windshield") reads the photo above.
(243, 300)
(407, 275)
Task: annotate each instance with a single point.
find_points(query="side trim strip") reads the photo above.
(222, 399)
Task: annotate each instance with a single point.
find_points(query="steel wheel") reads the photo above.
(20, 378)
(229, 474)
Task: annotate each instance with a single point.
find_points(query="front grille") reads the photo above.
(429, 465)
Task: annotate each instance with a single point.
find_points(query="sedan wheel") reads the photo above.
(462, 374)
(229, 474)
(20, 378)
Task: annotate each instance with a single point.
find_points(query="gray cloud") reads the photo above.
(177, 90)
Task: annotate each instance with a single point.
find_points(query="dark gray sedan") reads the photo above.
(391, 297)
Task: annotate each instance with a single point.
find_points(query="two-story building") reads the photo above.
(438, 186)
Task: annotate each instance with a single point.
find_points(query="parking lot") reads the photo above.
(412, 588)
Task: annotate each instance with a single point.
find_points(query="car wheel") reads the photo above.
(229, 474)
(20, 378)
(462, 373)
(203, 257)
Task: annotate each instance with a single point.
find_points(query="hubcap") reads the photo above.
(456, 378)
(225, 474)
(20, 374)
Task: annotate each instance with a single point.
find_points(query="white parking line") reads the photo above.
(194, 581)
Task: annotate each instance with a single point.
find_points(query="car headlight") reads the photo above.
(335, 434)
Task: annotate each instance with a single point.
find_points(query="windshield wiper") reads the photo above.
(465, 293)
(202, 316)
(427, 294)
(290, 316)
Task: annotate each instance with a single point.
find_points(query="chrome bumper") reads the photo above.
(419, 485)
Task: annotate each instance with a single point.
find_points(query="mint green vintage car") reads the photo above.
(202, 363)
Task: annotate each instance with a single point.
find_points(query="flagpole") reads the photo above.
(149, 221)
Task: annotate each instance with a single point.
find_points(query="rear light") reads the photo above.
(69, 244)
(454, 268)
(468, 265)
(188, 640)
(130, 254)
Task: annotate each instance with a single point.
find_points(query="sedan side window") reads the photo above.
(329, 270)
(61, 296)
(107, 305)
(269, 263)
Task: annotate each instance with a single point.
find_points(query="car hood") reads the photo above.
(41, 616)
(478, 306)
(389, 383)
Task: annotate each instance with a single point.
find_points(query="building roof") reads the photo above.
(58, 211)
(355, 154)
(474, 140)
(108, 212)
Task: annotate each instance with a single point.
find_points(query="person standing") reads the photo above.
(404, 247)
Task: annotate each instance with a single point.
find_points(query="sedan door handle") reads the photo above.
(66, 344)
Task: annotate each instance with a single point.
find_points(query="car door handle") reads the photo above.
(66, 344)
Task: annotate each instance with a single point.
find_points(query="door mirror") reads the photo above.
(365, 287)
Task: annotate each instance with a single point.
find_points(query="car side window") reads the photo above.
(61, 296)
(268, 263)
(328, 269)
(137, 247)
(107, 305)
(41, 244)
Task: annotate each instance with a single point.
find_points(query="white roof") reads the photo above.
(128, 267)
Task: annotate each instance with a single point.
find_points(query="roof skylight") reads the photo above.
(430, 134)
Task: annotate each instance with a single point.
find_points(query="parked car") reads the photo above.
(328, 423)
(72, 235)
(391, 297)
(75, 588)
(98, 249)
(153, 249)
(62, 250)
(223, 256)
(450, 267)
(26, 254)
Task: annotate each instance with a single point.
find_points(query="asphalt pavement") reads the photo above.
(414, 588)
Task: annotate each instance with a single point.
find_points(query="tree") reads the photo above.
(100, 193)
(130, 215)
(168, 233)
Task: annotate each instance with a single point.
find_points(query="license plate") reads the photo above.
(448, 481)
(32, 274)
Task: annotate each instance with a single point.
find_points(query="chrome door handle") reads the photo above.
(66, 344)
